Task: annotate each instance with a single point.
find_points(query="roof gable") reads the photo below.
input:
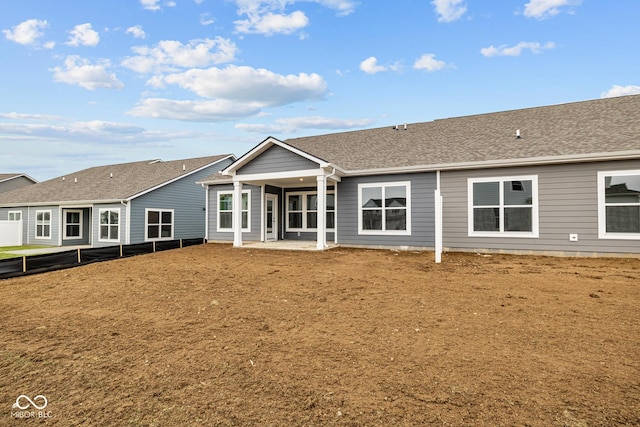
(264, 146)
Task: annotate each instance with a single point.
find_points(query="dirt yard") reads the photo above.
(215, 336)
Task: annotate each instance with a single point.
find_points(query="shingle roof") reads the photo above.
(572, 130)
(111, 182)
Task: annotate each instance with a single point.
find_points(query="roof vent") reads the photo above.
(405, 126)
(395, 127)
(517, 133)
(184, 167)
(63, 178)
(111, 175)
(75, 179)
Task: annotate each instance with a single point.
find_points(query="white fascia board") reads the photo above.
(20, 175)
(532, 161)
(279, 175)
(142, 193)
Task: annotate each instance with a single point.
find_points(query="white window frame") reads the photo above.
(44, 223)
(64, 224)
(160, 224)
(384, 185)
(248, 211)
(305, 210)
(109, 225)
(535, 220)
(13, 213)
(602, 207)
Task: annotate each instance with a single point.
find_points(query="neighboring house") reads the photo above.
(12, 181)
(116, 204)
(560, 179)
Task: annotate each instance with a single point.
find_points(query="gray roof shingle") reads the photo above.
(569, 131)
(111, 182)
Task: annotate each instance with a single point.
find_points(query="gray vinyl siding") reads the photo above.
(254, 214)
(184, 196)
(422, 235)
(567, 201)
(15, 183)
(277, 159)
(95, 221)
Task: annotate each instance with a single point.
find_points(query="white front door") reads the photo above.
(271, 217)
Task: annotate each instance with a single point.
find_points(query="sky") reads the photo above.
(88, 83)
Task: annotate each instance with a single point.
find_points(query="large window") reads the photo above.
(43, 224)
(225, 210)
(159, 224)
(302, 211)
(73, 224)
(619, 204)
(15, 215)
(109, 225)
(503, 206)
(384, 208)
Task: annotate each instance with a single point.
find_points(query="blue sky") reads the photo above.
(100, 82)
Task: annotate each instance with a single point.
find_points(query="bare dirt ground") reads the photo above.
(216, 336)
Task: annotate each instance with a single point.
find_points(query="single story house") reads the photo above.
(11, 181)
(560, 179)
(117, 204)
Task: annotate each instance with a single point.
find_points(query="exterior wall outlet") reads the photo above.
(573, 237)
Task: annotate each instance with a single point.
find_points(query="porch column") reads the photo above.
(237, 213)
(322, 213)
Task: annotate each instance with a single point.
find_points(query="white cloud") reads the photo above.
(79, 71)
(617, 90)
(170, 55)
(150, 4)
(268, 17)
(206, 19)
(516, 50)
(247, 84)
(232, 93)
(370, 66)
(273, 23)
(428, 62)
(194, 111)
(21, 116)
(27, 32)
(293, 124)
(137, 32)
(83, 35)
(541, 9)
(449, 10)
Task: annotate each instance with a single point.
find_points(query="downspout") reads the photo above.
(335, 208)
(206, 211)
(438, 220)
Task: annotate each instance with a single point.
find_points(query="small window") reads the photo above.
(109, 225)
(43, 224)
(503, 206)
(384, 208)
(619, 204)
(225, 210)
(73, 224)
(159, 224)
(15, 216)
